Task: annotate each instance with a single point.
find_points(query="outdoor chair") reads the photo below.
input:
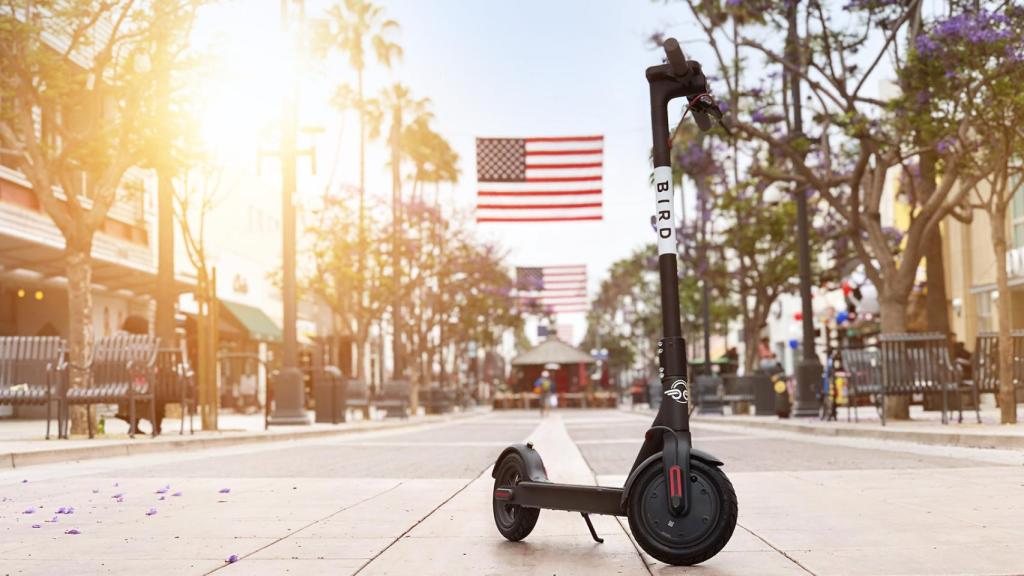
(864, 380)
(175, 382)
(120, 370)
(921, 363)
(27, 373)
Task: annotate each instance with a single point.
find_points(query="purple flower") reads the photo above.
(61, 510)
(176, 494)
(151, 512)
(945, 145)
(164, 489)
(225, 490)
(30, 510)
(72, 531)
(232, 559)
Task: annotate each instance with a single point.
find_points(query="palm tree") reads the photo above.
(397, 102)
(354, 28)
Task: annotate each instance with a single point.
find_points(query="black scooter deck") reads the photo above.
(569, 497)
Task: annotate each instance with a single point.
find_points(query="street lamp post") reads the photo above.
(289, 391)
(809, 369)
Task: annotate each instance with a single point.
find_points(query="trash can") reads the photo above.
(654, 393)
(764, 394)
(709, 395)
(329, 388)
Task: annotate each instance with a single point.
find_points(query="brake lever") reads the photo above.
(704, 108)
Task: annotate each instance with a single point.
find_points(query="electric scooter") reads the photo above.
(680, 505)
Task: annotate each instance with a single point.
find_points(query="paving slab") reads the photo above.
(460, 538)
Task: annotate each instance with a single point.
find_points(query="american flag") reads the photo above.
(554, 289)
(549, 179)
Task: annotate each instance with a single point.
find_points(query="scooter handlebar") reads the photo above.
(676, 58)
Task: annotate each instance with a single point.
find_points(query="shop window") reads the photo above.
(985, 311)
(1017, 213)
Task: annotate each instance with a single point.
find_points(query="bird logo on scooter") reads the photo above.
(679, 392)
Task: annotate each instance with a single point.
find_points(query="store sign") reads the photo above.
(1015, 262)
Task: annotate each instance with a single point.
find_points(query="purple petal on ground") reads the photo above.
(95, 490)
(29, 510)
(225, 490)
(118, 495)
(61, 510)
(24, 481)
(70, 510)
(176, 494)
(119, 499)
(162, 498)
(72, 531)
(151, 512)
(37, 525)
(232, 559)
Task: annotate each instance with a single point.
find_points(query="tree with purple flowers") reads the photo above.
(971, 65)
(862, 125)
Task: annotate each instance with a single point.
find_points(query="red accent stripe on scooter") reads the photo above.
(675, 481)
(503, 494)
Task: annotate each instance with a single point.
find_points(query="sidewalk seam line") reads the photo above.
(420, 521)
(777, 549)
(618, 519)
(313, 523)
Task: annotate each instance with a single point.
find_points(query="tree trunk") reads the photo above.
(894, 321)
(1007, 399)
(936, 300)
(80, 332)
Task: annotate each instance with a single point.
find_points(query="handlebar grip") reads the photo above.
(676, 58)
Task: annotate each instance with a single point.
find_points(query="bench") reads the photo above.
(357, 395)
(919, 364)
(394, 399)
(985, 362)
(27, 373)
(120, 369)
(863, 378)
(436, 400)
(175, 383)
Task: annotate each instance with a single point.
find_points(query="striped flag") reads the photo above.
(551, 179)
(553, 289)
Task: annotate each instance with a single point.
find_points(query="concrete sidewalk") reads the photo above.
(22, 442)
(923, 428)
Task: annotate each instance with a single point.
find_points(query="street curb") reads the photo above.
(12, 460)
(938, 438)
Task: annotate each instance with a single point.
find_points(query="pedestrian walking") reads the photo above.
(544, 387)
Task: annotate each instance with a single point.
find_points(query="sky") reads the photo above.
(524, 68)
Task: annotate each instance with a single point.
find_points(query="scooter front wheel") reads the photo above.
(513, 521)
(693, 537)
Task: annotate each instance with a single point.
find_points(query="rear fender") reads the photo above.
(535, 470)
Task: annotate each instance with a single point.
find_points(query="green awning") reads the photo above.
(255, 321)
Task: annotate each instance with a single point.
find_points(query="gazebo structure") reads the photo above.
(566, 364)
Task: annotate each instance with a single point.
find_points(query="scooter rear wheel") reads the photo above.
(693, 537)
(513, 521)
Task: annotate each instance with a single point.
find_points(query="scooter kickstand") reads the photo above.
(590, 525)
